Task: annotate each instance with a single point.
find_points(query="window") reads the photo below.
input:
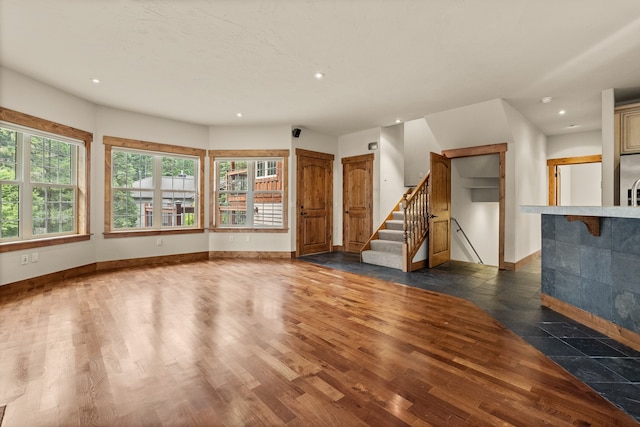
(43, 191)
(152, 188)
(266, 168)
(250, 190)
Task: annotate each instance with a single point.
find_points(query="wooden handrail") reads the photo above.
(420, 185)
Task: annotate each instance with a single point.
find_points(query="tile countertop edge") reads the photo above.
(601, 211)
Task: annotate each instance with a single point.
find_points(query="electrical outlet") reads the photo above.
(158, 242)
(231, 238)
(35, 257)
(24, 260)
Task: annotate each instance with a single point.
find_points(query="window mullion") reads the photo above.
(157, 191)
(26, 189)
(251, 178)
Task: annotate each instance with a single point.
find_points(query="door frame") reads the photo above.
(482, 150)
(323, 156)
(552, 171)
(361, 158)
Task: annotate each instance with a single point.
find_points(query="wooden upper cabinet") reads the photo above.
(627, 128)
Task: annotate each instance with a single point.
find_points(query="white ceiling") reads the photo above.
(203, 61)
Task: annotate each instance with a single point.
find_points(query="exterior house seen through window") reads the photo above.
(43, 192)
(250, 192)
(153, 190)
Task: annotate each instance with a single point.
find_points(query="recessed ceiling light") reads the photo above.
(398, 121)
(238, 114)
(562, 112)
(318, 76)
(546, 99)
(96, 81)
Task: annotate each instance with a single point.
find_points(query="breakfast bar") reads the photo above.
(591, 266)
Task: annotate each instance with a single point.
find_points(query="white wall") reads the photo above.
(574, 144)
(391, 168)
(580, 184)
(28, 96)
(125, 124)
(487, 123)
(610, 152)
(356, 144)
(527, 157)
(469, 126)
(419, 141)
(494, 122)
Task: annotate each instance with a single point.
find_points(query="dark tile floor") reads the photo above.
(513, 298)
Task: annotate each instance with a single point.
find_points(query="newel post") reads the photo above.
(405, 231)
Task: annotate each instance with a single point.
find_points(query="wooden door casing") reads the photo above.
(439, 211)
(357, 200)
(314, 202)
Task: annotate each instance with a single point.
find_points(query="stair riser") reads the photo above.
(386, 246)
(394, 225)
(392, 235)
(383, 259)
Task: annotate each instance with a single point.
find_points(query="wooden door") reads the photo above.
(439, 210)
(357, 201)
(314, 202)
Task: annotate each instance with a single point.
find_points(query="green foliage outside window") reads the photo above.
(50, 172)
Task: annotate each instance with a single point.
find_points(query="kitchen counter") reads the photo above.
(591, 266)
(601, 211)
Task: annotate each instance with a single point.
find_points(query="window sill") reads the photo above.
(248, 230)
(140, 233)
(39, 243)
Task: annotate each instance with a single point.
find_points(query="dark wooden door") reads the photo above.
(439, 210)
(357, 200)
(314, 202)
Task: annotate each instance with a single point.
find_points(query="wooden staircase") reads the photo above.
(396, 242)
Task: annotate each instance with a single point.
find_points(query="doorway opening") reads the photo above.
(575, 181)
(500, 150)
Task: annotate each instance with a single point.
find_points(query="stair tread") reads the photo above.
(390, 242)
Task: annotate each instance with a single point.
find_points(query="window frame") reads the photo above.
(152, 148)
(249, 155)
(83, 196)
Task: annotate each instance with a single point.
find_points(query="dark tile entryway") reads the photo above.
(513, 298)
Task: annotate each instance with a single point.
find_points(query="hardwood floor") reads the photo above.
(265, 342)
